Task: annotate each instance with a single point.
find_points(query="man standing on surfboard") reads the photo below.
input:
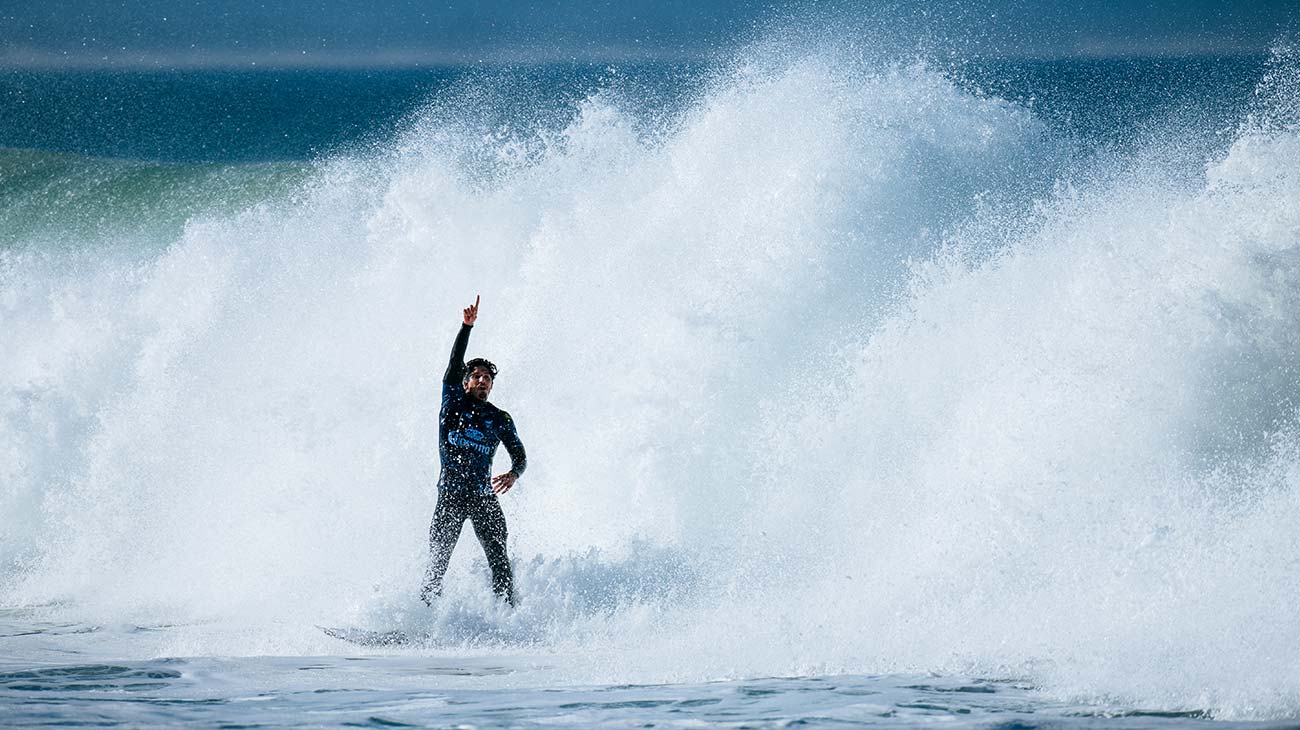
(469, 429)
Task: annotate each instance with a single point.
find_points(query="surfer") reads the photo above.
(469, 429)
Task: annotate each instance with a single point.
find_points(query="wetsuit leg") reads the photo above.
(490, 527)
(448, 518)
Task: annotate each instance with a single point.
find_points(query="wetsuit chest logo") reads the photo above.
(470, 438)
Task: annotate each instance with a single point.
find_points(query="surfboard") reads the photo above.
(366, 637)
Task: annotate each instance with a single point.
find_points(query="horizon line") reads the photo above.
(31, 60)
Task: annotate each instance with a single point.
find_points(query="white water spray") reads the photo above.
(827, 377)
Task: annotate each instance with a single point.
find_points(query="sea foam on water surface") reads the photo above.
(840, 368)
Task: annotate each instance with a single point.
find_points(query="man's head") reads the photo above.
(479, 376)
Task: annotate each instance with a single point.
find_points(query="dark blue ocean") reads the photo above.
(259, 115)
(859, 389)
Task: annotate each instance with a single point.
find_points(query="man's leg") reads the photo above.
(448, 517)
(490, 527)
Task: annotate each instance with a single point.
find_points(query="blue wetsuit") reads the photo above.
(468, 433)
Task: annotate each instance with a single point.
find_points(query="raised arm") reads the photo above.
(456, 367)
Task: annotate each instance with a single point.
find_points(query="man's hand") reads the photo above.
(503, 483)
(471, 312)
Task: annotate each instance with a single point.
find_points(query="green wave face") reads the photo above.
(61, 200)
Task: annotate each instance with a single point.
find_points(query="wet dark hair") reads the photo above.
(480, 362)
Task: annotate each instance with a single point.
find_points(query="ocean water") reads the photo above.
(858, 389)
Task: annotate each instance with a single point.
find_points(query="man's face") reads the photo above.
(479, 383)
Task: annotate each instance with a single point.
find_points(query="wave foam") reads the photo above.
(842, 370)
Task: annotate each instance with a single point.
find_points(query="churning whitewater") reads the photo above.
(837, 367)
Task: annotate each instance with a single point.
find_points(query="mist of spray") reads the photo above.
(839, 368)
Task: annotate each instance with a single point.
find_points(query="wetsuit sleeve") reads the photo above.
(456, 368)
(514, 447)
